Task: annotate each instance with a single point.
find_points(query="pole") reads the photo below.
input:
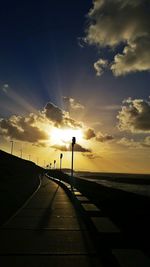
(54, 164)
(12, 144)
(21, 153)
(73, 143)
(72, 162)
(61, 156)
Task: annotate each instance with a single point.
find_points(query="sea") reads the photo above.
(136, 183)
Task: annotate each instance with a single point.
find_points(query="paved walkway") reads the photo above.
(47, 232)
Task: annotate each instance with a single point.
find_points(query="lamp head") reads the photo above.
(73, 140)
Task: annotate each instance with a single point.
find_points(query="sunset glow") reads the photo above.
(88, 80)
(64, 136)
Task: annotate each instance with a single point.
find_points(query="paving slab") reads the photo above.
(21, 241)
(47, 261)
(131, 258)
(53, 222)
(77, 193)
(40, 212)
(90, 207)
(82, 198)
(105, 225)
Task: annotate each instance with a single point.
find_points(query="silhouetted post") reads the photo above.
(73, 143)
(29, 157)
(12, 146)
(61, 156)
(50, 165)
(21, 153)
(54, 164)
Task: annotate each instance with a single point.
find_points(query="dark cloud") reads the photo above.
(27, 128)
(125, 22)
(77, 148)
(99, 137)
(54, 113)
(59, 117)
(103, 137)
(22, 128)
(91, 155)
(131, 143)
(135, 116)
(89, 133)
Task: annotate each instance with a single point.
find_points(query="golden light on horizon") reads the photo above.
(64, 136)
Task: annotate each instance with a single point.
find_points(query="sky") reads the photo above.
(76, 68)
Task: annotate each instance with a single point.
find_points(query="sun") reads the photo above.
(64, 136)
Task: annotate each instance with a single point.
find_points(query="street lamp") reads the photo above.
(54, 164)
(73, 143)
(12, 145)
(61, 156)
(21, 153)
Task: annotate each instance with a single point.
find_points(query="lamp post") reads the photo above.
(12, 146)
(61, 156)
(21, 153)
(54, 164)
(73, 143)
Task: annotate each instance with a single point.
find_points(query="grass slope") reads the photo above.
(18, 180)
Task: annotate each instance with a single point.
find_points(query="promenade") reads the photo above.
(47, 231)
(54, 228)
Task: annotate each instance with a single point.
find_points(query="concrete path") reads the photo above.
(47, 232)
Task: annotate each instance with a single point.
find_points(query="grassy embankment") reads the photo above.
(18, 180)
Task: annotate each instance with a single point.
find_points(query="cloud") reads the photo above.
(53, 113)
(77, 148)
(146, 142)
(31, 128)
(72, 104)
(121, 22)
(135, 57)
(59, 117)
(91, 155)
(131, 143)
(100, 66)
(89, 133)
(22, 128)
(103, 137)
(99, 137)
(134, 116)
(5, 88)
